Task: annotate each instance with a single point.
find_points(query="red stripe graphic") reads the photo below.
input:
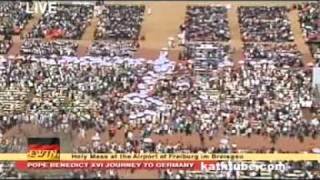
(43, 147)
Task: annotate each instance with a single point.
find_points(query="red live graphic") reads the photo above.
(188, 165)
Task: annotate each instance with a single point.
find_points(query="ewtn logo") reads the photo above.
(38, 7)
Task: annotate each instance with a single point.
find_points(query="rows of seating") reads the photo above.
(13, 17)
(265, 24)
(113, 48)
(277, 53)
(56, 47)
(206, 23)
(309, 18)
(68, 22)
(121, 22)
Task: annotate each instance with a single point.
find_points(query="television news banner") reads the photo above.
(44, 153)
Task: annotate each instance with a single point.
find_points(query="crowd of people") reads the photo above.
(268, 101)
(5, 45)
(281, 54)
(120, 22)
(271, 101)
(110, 91)
(310, 20)
(68, 22)
(205, 56)
(81, 93)
(206, 23)
(13, 17)
(113, 48)
(46, 48)
(265, 24)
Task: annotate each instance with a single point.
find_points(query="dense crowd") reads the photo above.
(113, 48)
(266, 24)
(46, 48)
(5, 45)
(277, 53)
(79, 93)
(110, 91)
(121, 22)
(270, 102)
(207, 56)
(13, 17)
(206, 23)
(310, 21)
(95, 92)
(68, 22)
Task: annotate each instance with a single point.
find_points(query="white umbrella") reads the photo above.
(253, 62)
(140, 114)
(315, 122)
(149, 112)
(11, 57)
(96, 137)
(157, 102)
(136, 100)
(228, 63)
(2, 60)
(143, 91)
(142, 86)
(52, 62)
(151, 82)
(20, 57)
(310, 64)
(224, 141)
(162, 108)
(316, 150)
(147, 78)
(142, 95)
(132, 116)
(131, 95)
(117, 61)
(147, 140)
(151, 73)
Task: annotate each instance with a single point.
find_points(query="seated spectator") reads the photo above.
(120, 22)
(13, 17)
(69, 22)
(279, 54)
(315, 50)
(206, 23)
(40, 47)
(265, 24)
(113, 48)
(310, 19)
